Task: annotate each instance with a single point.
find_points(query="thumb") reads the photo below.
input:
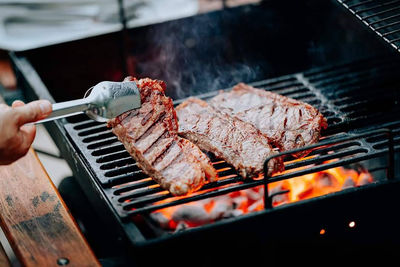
(32, 111)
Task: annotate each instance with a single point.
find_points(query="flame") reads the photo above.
(250, 200)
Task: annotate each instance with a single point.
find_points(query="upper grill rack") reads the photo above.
(381, 16)
(348, 88)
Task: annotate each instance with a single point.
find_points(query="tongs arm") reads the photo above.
(105, 101)
(66, 109)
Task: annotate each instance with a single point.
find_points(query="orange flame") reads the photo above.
(250, 200)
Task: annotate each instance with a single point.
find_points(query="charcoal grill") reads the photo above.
(351, 76)
(132, 192)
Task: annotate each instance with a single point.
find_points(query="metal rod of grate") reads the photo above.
(378, 6)
(267, 179)
(382, 17)
(319, 163)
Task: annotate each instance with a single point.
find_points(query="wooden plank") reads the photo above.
(35, 218)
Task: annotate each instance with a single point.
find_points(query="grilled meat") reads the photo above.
(288, 123)
(149, 134)
(237, 142)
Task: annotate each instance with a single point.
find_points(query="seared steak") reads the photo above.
(288, 123)
(150, 135)
(237, 142)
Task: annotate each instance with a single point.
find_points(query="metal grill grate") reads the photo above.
(382, 16)
(354, 101)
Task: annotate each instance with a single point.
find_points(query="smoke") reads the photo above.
(196, 55)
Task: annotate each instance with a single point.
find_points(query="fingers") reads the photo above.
(17, 137)
(17, 103)
(18, 145)
(31, 112)
(27, 134)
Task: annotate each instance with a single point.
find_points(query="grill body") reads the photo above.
(311, 40)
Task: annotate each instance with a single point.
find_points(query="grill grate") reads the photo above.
(347, 96)
(381, 16)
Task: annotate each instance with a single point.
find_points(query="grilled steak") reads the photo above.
(237, 142)
(150, 135)
(288, 123)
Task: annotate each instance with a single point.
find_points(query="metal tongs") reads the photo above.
(102, 102)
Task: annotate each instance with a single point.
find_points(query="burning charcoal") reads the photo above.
(240, 203)
(306, 193)
(356, 167)
(223, 206)
(161, 219)
(253, 195)
(233, 213)
(279, 198)
(181, 226)
(348, 183)
(236, 213)
(278, 188)
(207, 203)
(235, 194)
(365, 178)
(325, 179)
(193, 215)
(256, 206)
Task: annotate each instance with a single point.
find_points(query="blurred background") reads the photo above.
(25, 24)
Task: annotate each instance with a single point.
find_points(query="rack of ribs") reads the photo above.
(150, 135)
(237, 142)
(288, 123)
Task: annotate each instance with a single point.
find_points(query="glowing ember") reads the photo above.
(245, 201)
(352, 224)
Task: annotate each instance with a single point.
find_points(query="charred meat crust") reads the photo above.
(229, 138)
(150, 136)
(288, 123)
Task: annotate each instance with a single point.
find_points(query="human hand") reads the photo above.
(15, 137)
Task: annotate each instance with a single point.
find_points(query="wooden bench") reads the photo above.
(36, 220)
